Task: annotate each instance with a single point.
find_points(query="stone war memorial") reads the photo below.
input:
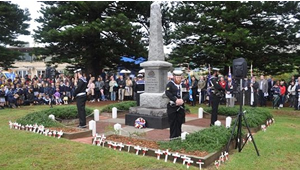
(153, 103)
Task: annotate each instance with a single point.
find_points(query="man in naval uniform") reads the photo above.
(139, 87)
(80, 95)
(216, 93)
(175, 108)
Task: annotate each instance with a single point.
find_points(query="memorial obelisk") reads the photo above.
(153, 102)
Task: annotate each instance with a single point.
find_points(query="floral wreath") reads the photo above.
(140, 123)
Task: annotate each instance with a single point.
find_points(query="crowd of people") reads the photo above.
(256, 92)
(60, 90)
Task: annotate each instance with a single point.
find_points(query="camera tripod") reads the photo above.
(238, 123)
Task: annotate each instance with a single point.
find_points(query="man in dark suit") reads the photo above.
(263, 91)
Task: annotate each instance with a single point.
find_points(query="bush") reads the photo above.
(210, 140)
(41, 117)
(120, 106)
(255, 116)
(68, 112)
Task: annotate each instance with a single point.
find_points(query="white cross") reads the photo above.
(121, 146)
(16, 125)
(102, 140)
(184, 158)
(50, 133)
(115, 145)
(144, 151)
(46, 132)
(270, 121)
(109, 144)
(175, 155)
(10, 124)
(217, 164)
(167, 153)
(35, 126)
(200, 164)
(60, 133)
(222, 157)
(189, 162)
(137, 148)
(129, 146)
(30, 127)
(226, 155)
(249, 137)
(158, 153)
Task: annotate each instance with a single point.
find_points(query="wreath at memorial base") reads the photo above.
(140, 123)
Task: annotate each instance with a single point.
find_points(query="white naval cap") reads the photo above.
(215, 69)
(78, 70)
(177, 72)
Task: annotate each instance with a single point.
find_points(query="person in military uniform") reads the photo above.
(175, 108)
(80, 95)
(139, 88)
(216, 93)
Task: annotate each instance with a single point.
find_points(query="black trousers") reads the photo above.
(80, 102)
(262, 99)
(176, 117)
(138, 99)
(215, 100)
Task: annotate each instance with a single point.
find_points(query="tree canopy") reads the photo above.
(13, 23)
(93, 34)
(265, 33)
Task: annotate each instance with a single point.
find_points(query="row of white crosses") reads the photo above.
(268, 123)
(185, 160)
(224, 157)
(100, 140)
(36, 129)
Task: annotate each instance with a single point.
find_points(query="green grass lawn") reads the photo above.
(279, 148)
(26, 150)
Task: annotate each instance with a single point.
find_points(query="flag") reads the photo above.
(251, 71)
(190, 90)
(229, 73)
(208, 76)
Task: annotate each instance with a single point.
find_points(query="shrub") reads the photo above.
(255, 116)
(41, 117)
(120, 106)
(210, 140)
(68, 112)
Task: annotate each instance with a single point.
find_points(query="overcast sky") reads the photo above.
(33, 7)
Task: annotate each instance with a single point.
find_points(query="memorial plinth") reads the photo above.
(153, 102)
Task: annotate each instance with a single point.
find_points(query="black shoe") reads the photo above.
(84, 126)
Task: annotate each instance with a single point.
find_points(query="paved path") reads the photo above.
(106, 123)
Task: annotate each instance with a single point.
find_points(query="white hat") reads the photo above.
(215, 69)
(177, 72)
(78, 70)
(139, 75)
